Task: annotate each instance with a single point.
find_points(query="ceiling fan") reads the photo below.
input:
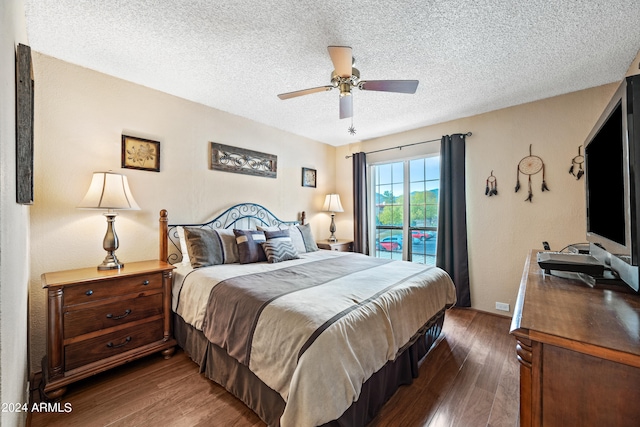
(345, 77)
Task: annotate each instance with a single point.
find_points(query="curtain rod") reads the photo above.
(400, 147)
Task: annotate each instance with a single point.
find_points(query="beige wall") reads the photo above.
(502, 229)
(14, 226)
(80, 117)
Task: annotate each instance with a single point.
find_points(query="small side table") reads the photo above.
(340, 245)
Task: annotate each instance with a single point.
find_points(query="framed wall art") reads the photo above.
(309, 177)
(240, 160)
(140, 153)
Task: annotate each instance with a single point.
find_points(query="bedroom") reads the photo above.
(81, 114)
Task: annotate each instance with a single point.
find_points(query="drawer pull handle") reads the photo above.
(125, 342)
(145, 283)
(89, 293)
(122, 316)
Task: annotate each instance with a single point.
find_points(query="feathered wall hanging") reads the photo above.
(529, 166)
(492, 186)
(577, 163)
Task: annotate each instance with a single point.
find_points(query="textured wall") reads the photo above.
(502, 229)
(80, 116)
(14, 226)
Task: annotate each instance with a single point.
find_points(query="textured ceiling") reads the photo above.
(470, 56)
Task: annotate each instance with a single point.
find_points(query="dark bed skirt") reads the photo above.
(218, 366)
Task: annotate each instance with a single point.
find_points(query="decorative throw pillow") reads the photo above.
(278, 250)
(307, 238)
(203, 247)
(277, 234)
(296, 236)
(229, 247)
(249, 245)
(206, 247)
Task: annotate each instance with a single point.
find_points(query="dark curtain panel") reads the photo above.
(360, 212)
(452, 217)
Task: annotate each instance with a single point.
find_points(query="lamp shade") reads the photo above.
(332, 203)
(109, 190)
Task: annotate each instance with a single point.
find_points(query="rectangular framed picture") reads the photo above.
(240, 160)
(140, 153)
(309, 177)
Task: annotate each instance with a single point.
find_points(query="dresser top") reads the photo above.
(89, 274)
(565, 311)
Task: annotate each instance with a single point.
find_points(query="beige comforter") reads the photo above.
(316, 346)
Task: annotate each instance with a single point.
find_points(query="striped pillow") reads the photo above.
(279, 250)
(301, 236)
(279, 246)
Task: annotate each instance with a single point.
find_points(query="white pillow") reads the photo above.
(183, 246)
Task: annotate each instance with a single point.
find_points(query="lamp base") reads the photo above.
(110, 262)
(332, 229)
(110, 244)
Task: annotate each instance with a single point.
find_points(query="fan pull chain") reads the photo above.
(351, 129)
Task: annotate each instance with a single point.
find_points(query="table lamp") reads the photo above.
(109, 191)
(332, 204)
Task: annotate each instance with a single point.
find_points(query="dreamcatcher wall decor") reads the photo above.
(492, 186)
(577, 164)
(529, 166)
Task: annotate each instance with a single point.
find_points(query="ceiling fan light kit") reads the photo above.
(345, 77)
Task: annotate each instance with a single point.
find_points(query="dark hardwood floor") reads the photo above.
(469, 379)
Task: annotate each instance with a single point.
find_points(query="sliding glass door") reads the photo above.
(405, 204)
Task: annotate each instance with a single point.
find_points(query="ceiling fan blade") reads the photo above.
(400, 86)
(346, 106)
(289, 95)
(342, 60)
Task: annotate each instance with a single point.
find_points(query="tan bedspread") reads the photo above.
(314, 344)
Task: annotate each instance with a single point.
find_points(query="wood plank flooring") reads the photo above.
(470, 379)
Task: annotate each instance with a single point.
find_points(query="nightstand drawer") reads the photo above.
(85, 352)
(339, 246)
(89, 292)
(78, 322)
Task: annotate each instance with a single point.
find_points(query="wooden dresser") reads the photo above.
(579, 352)
(97, 320)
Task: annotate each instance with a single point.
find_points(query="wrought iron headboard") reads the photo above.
(243, 215)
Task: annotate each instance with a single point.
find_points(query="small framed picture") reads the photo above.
(308, 177)
(140, 153)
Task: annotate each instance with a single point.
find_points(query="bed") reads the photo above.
(304, 337)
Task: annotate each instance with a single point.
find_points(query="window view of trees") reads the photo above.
(423, 207)
(390, 203)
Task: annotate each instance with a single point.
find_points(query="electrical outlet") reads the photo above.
(502, 306)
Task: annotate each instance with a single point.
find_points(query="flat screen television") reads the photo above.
(612, 177)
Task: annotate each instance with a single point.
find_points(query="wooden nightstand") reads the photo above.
(340, 245)
(97, 320)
